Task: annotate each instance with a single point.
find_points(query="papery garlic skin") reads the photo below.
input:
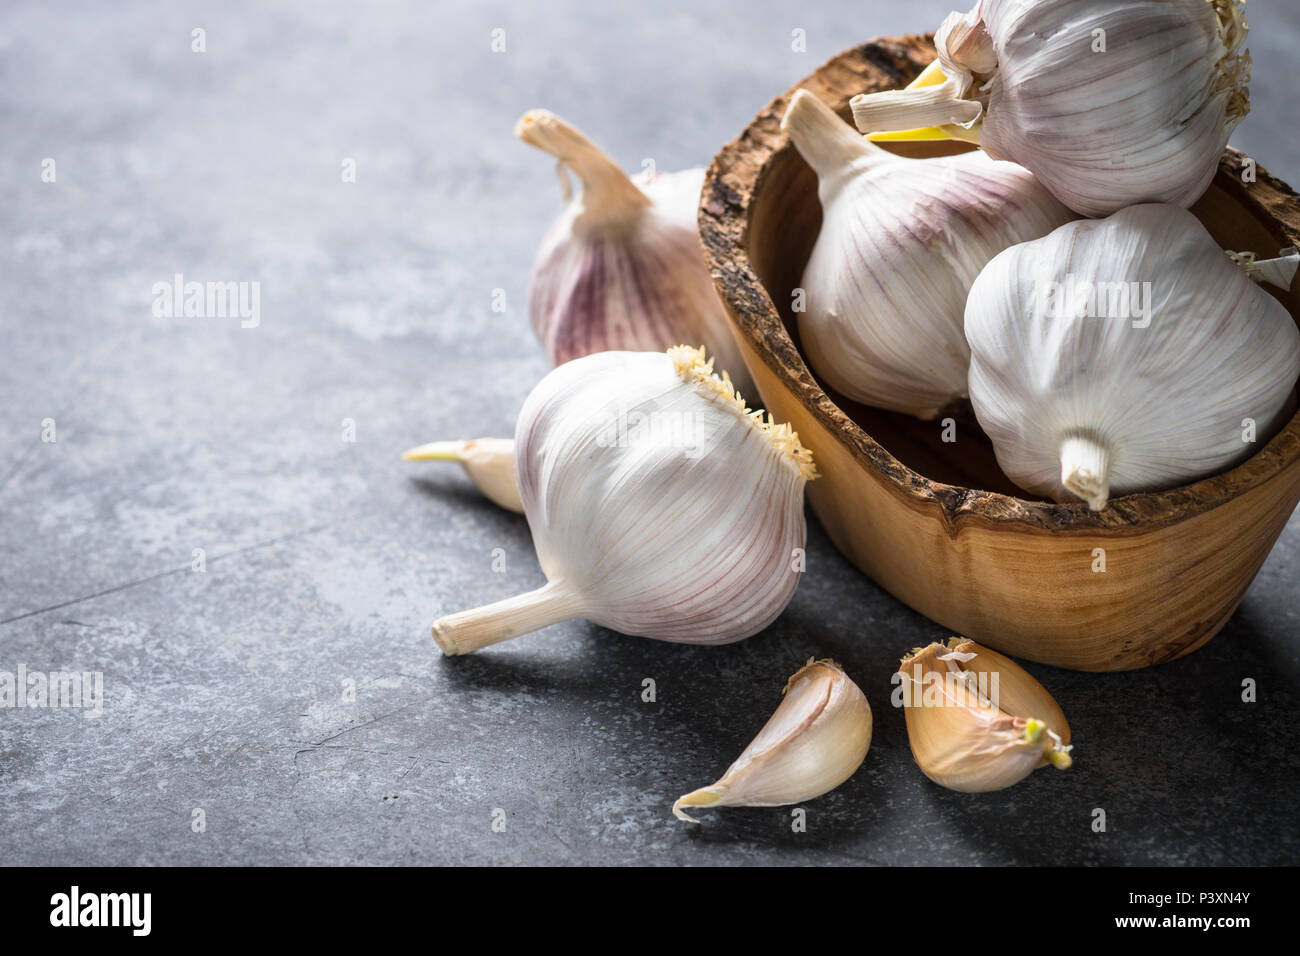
(622, 267)
(901, 242)
(1109, 102)
(966, 731)
(816, 739)
(659, 505)
(489, 462)
(1134, 399)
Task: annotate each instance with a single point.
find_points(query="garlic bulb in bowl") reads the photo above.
(622, 268)
(900, 244)
(660, 506)
(1125, 354)
(1108, 103)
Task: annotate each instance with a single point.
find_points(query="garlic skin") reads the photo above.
(900, 244)
(489, 462)
(1133, 398)
(816, 739)
(659, 505)
(1143, 120)
(622, 267)
(977, 721)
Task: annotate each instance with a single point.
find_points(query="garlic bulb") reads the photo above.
(489, 462)
(622, 267)
(1108, 103)
(976, 720)
(900, 244)
(815, 740)
(1125, 354)
(660, 506)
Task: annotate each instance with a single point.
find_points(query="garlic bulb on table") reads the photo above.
(1125, 354)
(660, 506)
(900, 244)
(622, 267)
(815, 740)
(1108, 103)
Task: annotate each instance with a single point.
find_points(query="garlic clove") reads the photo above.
(1125, 354)
(659, 504)
(816, 739)
(1050, 84)
(1017, 691)
(489, 462)
(966, 733)
(622, 267)
(901, 242)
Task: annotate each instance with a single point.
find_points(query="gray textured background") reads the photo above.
(327, 561)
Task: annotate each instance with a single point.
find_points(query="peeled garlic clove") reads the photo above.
(967, 732)
(815, 740)
(1125, 354)
(1108, 104)
(489, 462)
(660, 506)
(900, 244)
(622, 267)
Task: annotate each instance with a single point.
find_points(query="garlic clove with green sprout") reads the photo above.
(976, 720)
(901, 242)
(1108, 104)
(622, 267)
(489, 462)
(816, 739)
(1125, 354)
(659, 504)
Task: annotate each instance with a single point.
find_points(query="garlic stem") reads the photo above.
(478, 628)
(1085, 470)
(826, 142)
(609, 197)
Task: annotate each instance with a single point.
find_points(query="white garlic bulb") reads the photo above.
(1108, 103)
(1125, 354)
(622, 267)
(815, 740)
(900, 244)
(976, 720)
(660, 506)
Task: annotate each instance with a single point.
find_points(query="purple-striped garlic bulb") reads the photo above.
(622, 268)
(660, 505)
(901, 242)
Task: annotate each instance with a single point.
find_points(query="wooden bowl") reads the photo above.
(937, 524)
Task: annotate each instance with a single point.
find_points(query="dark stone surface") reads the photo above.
(327, 561)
